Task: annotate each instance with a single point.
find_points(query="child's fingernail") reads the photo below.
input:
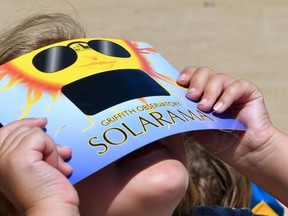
(203, 101)
(217, 106)
(68, 166)
(66, 147)
(182, 77)
(191, 91)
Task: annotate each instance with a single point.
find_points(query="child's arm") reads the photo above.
(32, 170)
(261, 152)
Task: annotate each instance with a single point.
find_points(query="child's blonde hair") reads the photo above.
(38, 31)
(217, 183)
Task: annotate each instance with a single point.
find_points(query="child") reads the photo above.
(31, 163)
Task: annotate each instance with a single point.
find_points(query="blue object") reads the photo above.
(259, 195)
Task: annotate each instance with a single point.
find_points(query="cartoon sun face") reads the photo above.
(94, 73)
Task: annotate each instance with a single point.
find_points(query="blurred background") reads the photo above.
(246, 39)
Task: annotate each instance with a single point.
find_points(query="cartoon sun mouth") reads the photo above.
(98, 92)
(104, 65)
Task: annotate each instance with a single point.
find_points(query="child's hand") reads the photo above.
(32, 170)
(261, 151)
(218, 92)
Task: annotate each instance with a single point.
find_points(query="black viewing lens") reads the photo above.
(54, 59)
(109, 48)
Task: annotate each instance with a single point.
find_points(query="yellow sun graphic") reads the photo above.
(89, 57)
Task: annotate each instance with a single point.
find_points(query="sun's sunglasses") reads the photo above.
(60, 57)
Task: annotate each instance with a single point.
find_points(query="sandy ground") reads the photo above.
(247, 39)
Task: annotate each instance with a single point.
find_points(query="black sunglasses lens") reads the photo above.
(109, 48)
(54, 59)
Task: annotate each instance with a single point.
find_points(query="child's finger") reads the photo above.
(234, 92)
(13, 139)
(63, 167)
(214, 87)
(185, 76)
(37, 146)
(64, 151)
(30, 122)
(198, 80)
